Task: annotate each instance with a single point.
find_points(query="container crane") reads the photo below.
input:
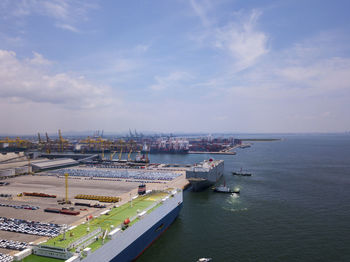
(129, 155)
(48, 144)
(60, 139)
(40, 142)
(120, 154)
(112, 155)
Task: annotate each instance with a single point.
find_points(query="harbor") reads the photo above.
(45, 195)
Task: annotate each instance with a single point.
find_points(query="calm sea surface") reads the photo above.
(295, 207)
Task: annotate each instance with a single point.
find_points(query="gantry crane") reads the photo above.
(129, 155)
(48, 144)
(112, 155)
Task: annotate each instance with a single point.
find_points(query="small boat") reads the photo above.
(225, 189)
(240, 173)
(204, 259)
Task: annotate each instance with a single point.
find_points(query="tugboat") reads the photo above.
(222, 189)
(225, 189)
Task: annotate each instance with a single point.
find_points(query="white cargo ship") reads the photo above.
(205, 174)
(118, 234)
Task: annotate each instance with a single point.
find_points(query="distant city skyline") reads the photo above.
(275, 66)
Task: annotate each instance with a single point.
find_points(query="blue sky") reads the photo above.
(175, 66)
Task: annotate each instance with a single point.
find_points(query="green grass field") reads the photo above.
(34, 258)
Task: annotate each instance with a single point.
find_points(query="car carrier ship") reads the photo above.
(205, 174)
(117, 234)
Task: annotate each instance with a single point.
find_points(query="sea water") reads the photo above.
(294, 207)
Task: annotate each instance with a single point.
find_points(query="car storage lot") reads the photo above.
(56, 186)
(53, 185)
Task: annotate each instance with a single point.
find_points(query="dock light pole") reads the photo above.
(66, 176)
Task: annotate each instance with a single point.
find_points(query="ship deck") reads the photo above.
(115, 218)
(34, 258)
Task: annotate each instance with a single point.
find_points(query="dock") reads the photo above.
(83, 179)
(213, 153)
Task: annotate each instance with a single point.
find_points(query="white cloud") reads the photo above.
(124, 65)
(305, 87)
(67, 27)
(201, 10)
(142, 48)
(173, 80)
(239, 38)
(39, 60)
(242, 40)
(66, 14)
(58, 9)
(29, 80)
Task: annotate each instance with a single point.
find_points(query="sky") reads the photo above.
(269, 66)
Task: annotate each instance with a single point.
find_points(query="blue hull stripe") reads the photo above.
(139, 245)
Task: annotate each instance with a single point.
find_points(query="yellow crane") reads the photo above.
(48, 144)
(112, 155)
(129, 155)
(18, 142)
(121, 145)
(120, 154)
(62, 143)
(103, 152)
(60, 139)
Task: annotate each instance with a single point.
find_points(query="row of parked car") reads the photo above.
(29, 207)
(5, 258)
(29, 227)
(5, 195)
(125, 174)
(12, 244)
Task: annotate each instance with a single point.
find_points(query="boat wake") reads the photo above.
(235, 209)
(235, 195)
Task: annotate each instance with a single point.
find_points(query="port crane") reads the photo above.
(120, 154)
(112, 155)
(62, 142)
(129, 155)
(48, 144)
(16, 143)
(121, 146)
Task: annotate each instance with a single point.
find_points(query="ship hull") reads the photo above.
(197, 186)
(142, 243)
(129, 244)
